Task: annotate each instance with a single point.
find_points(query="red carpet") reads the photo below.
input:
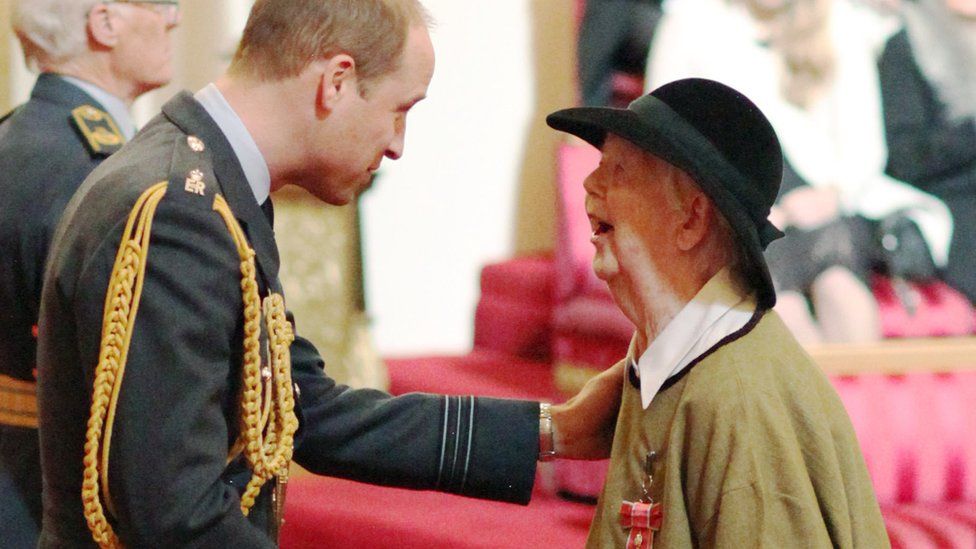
(325, 512)
(482, 373)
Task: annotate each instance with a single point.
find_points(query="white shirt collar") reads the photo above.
(115, 106)
(250, 157)
(717, 311)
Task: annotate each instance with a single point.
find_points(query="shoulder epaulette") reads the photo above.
(101, 135)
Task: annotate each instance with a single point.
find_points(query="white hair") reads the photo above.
(51, 31)
(725, 247)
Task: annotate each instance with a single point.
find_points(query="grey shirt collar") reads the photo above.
(250, 157)
(115, 106)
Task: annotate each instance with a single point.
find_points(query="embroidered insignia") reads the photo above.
(194, 183)
(102, 136)
(195, 144)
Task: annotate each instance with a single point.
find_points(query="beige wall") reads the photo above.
(554, 61)
(15, 79)
(4, 57)
(203, 48)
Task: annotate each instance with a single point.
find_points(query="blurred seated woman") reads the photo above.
(810, 65)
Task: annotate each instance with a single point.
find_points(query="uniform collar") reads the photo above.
(717, 311)
(192, 119)
(252, 161)
(113, 105)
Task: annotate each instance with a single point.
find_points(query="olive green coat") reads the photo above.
(755, 450)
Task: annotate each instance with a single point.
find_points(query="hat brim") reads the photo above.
(667, 136)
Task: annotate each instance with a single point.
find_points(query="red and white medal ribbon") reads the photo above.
(643, 519)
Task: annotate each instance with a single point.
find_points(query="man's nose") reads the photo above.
(174, 16)
(395, 148)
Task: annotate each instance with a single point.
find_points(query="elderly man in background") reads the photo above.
(94, 59)
(728, 434)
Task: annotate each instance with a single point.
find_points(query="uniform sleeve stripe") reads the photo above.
(440, 468)
(457, 442)
(467, 459)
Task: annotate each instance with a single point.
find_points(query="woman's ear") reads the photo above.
(101, 29)
(338, 80)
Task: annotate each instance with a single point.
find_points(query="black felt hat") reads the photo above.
(716, 135)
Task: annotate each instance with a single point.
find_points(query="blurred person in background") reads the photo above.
(614, 36)
(928, 88)
(810, 65)
(94, 60)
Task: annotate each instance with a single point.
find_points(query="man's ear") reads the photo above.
(338, 80)
(101, 29)
(698, 216)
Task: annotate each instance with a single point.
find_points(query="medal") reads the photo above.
(643, 517)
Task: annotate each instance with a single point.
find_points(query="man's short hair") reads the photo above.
(282, 37)
(51, 31)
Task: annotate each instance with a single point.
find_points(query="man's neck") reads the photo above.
(96, 73)
(261, 105)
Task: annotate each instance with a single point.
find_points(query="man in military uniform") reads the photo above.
(173, 389)
(95, 58)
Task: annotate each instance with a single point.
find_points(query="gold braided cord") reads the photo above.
(267, 419)
(121, 305)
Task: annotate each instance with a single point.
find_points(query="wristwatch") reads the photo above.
(547, 444)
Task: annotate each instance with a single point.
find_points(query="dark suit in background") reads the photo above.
(614, 35)
(44, 157)
(932, 152)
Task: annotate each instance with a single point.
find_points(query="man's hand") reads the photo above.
(583, 426)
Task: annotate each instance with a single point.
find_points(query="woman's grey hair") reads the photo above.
(51, 31)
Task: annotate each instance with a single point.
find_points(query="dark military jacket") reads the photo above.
(177, 413)
(44, 156)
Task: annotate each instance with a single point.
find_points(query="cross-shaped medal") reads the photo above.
(644, 517)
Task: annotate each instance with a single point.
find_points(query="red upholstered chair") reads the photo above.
(930, 309)
(916, 432)
(512, 316)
